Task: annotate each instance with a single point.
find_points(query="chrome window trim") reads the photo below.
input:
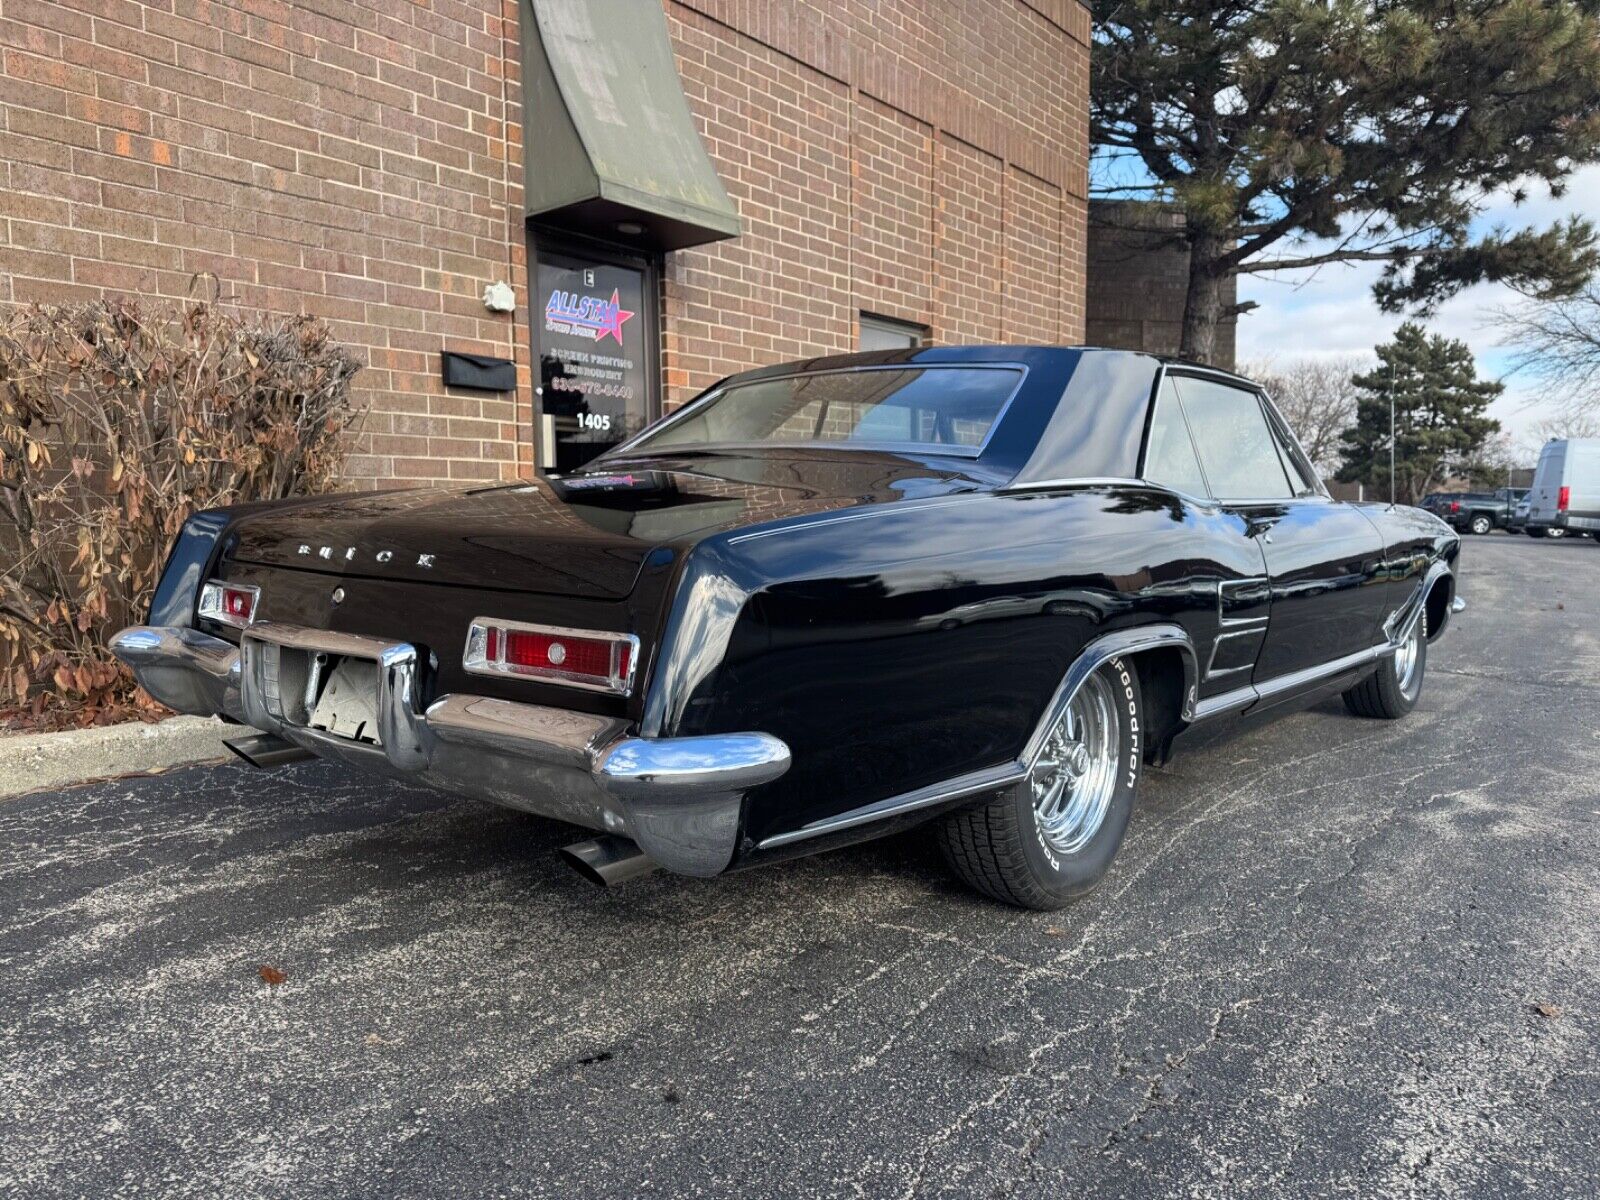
(617, 684)
(936, 449)
(1275, 417)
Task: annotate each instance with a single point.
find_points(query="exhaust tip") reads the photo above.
(607, 861)
(264, 750)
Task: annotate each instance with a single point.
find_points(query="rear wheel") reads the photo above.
(1555, 531)
(1050, 838)
(1481, 525)
(1392, 690)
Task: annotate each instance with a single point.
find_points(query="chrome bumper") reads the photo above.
(678, 798)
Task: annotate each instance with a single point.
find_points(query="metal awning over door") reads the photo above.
(610, 148)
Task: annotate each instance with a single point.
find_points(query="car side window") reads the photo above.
(1170, 459)
(1301, 479)
(1235, 443)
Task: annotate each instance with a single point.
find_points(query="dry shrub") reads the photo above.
(117, 421)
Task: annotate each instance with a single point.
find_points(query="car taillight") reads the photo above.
(1455, 506)
(602, 662)
(231, 603)
(1563, 499)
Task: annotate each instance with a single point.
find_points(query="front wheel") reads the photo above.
(1481, 525)
(1392, 690)
(1050, 838)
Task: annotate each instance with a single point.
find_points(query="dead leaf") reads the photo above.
(1545, 1009)
(373, 1039)
(271, 976)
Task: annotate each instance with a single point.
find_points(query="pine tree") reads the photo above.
(1439, 415)
(1384, 129)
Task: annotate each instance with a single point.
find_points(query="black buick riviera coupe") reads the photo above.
(980, 586)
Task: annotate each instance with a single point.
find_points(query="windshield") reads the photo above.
(944, 410)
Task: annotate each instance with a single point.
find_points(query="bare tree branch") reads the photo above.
(1316, 397)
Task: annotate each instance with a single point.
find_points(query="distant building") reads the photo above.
(1138, 280)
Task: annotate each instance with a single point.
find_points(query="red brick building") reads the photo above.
(893, 170)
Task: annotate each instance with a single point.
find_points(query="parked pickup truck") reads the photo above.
(1479, 512)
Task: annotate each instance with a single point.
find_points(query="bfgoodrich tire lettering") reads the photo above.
(1040, 847)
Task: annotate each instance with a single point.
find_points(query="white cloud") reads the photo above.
(1330, 312)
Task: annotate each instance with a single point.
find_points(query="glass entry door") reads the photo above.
(595, 336)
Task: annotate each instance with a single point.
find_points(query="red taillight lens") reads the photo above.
(1455, 506)
(577, 657)
(1563, 499)
(231, 603)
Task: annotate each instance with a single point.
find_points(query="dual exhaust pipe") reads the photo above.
(605, 860)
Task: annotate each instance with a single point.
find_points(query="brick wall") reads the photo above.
(1138, 281)
(361, 160)
(346, 158)
(927, 162)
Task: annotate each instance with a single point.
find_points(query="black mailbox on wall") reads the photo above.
(480, 372)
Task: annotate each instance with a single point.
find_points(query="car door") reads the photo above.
(1324, 559)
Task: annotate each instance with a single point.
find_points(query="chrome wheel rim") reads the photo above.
(1075, 777)
(1408, 659)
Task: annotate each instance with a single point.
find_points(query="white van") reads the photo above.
(1566, 489)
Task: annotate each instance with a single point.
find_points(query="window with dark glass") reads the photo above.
(1170, 458)
(1234, 442)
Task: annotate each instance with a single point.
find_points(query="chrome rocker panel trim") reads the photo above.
(680, 799)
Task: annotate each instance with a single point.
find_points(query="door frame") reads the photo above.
(545, 241)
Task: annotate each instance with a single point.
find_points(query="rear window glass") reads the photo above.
(951, 410)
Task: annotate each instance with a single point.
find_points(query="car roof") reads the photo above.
(1080, 412)
(977, 352)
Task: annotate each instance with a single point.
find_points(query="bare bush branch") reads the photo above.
(116, 423)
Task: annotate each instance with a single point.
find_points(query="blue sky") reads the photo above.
(1330, 311)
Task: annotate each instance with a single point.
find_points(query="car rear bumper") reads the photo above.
(680, 799)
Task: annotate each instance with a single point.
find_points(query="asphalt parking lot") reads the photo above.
(1337, 957)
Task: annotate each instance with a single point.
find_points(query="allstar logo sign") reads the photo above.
(587, 316)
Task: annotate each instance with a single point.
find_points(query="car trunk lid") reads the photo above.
(588, 534)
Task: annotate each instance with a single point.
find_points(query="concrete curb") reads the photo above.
(35, 761)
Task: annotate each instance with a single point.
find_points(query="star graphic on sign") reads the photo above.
(615, 316)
